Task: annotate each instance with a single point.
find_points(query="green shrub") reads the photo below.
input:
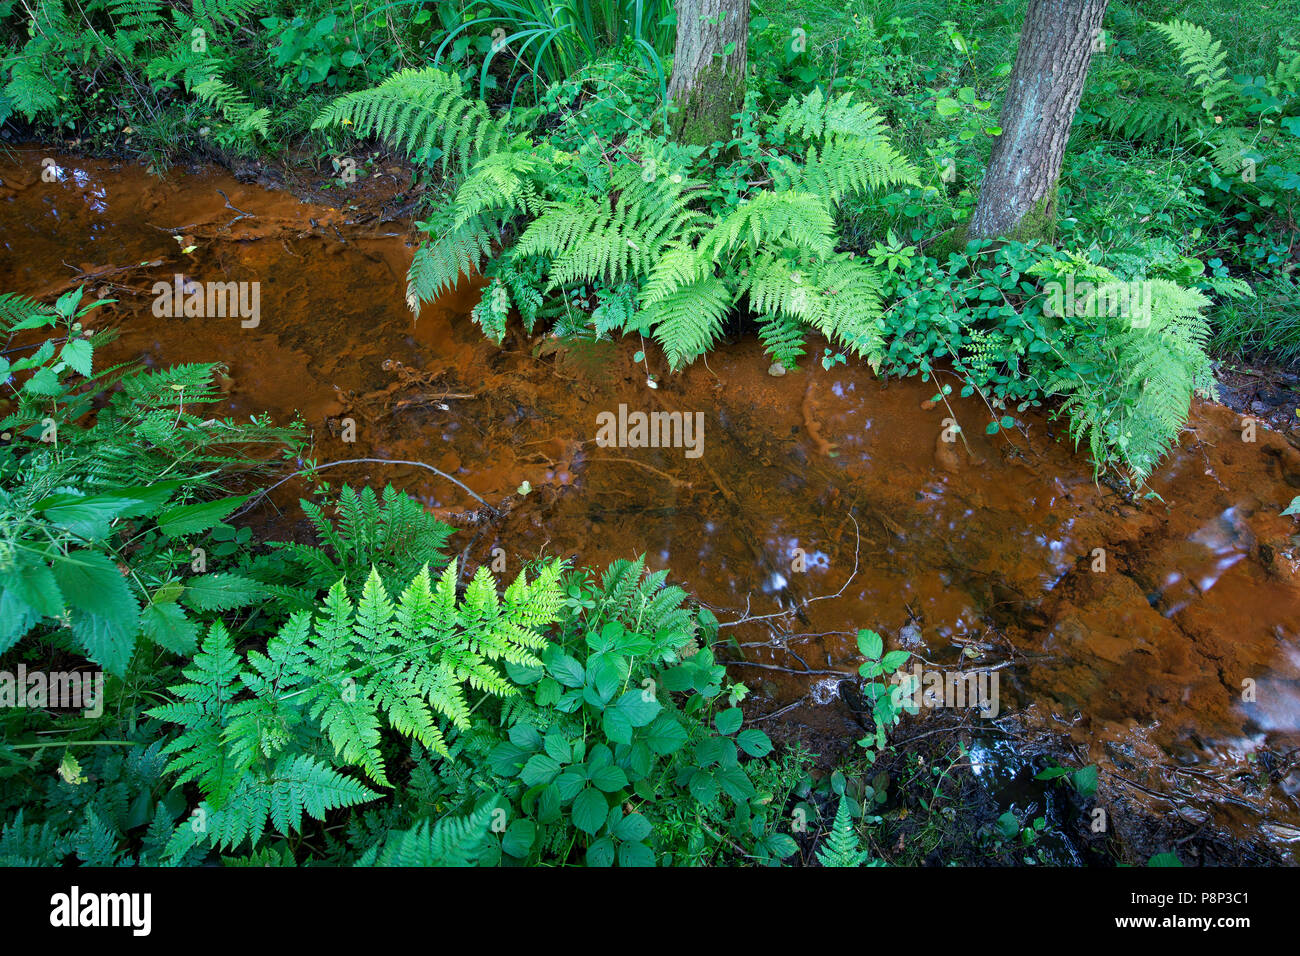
(106, 482)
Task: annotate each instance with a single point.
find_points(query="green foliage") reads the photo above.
(263, 735)
(641, 219)
(625, 746)
(552, 40)
(171, 77)
(393, 535)
(124, 818)
(458, 841)
(1243, 128)
(97, 507)
(877, 669)
(425, 113)
(1265, 325)
(842, 847)
(1128, 373)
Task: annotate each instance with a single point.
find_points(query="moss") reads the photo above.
(1040, 221)
(705, 116)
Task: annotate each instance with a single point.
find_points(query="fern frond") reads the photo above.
(1202, 56)
(841, 847)
(421, 112)
(451, 841)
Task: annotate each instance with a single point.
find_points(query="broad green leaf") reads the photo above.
(539, 769)
(565, 669)
(518, 838)
(32, 582)
(635, 854)
(609, 779)
(870, 644)
(601, 853)
(665, 735)
(729, 720)
(105, 617)
(754, 742)
(589, 810)
(894, 660)
(190, 519)
(638, 709)
(79, 354)
(220, 592)
(167, 626)
(634, 826)
(86, 516)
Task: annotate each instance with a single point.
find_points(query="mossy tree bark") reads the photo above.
(1018, 194)
(708, 81)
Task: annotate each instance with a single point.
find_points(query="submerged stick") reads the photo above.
(366, 461)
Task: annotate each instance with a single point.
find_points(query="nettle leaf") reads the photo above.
(44, 382)
(79, 355)
(167, 626)
(190, 519)
(105, 617)
(220, 592)
(31, 582)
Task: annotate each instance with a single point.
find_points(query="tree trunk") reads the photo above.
(708, 83)
(1018, 194)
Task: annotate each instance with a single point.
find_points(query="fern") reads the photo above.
(643, 603)
(30, 844)
(393, 534)
(248, 724)
(1203, 58)
(423, 112)
(451, 841)
(634, 231)
(841, 847)
(1128, 385)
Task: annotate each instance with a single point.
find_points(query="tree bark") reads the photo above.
(708, 84)
(1018, 194)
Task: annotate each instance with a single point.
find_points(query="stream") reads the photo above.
(830, 494)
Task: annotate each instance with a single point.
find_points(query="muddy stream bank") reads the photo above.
(819, 484)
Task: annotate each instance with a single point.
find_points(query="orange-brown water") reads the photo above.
(978, 553)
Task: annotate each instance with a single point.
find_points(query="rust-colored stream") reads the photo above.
(1139, 669)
